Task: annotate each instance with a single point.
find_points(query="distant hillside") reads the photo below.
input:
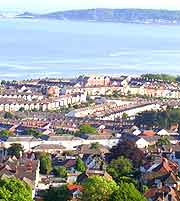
(27, 15)
(115, 15)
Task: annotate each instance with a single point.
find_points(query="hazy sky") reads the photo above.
(53, 5)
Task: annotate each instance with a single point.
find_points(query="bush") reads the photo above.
(60, 172)
(87, 129)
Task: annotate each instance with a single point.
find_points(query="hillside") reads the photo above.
(114, 15)
(119, 15)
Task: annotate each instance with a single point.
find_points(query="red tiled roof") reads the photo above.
(153, 191)
(148, 133)
(72, 187)
(166, 166)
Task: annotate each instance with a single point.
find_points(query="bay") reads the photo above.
(32, 48)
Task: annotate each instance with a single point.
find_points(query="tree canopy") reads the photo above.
(33, 132)
(60, 171)
(128, 150)
(97, 188)
(58, 194)
(163, 77)
(164, 140)
(87, 129)
(126, 192)
(80, 165)
(14, 190)
(45, 164)
(15, 150)
(120, 167)
(125, 115)
(162, 119)
(8, 115)
(5, 133)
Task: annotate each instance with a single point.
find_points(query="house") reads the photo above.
(162, 193)
(26, 170)
(49, 148)
(94, 162)
(88, 173)
(92, 149)
(148, 133)
(163, 132)
(70, 164)
(27, 142)
(140, 141)
(164, 173)
(75, 190)
(136, 132)
(92, 81)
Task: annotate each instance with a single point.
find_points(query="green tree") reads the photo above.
(164, 77)
(21, 109)
(33, 132)
(87, 129)
(58, 194)
(95, 145)
(125, 115)
(126, 192)
(14, 190)
(162, 119)
(116, 94)
(45, 164)
(3, 82)
(120, 167)
(97, 188)
(15, 150)
(60, 171)
(5, 133)
(164, 140)
(80, 165)
(8, 115)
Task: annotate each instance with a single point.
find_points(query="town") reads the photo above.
(102, 138)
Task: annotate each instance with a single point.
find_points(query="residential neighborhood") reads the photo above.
(63, 135)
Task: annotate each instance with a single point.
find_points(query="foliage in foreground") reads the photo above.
(126, 192)
(98, 188)
(14, 190)
(57, 194)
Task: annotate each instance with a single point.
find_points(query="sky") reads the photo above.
(55, 5)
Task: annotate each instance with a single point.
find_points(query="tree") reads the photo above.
(116, 94)
(80, 166)
(5, 133)
(97, 188)
(162, 119)
(14, 189)
(21, 109)
(3, 82)
(125, 115)
(15, 150)
(87, 129)
(8, 115)
(95, 145)
(60, 171)
(45, 164)
(120, 167)
(57, 194)
(33, 132)
(128, 150)
(126, 192)
(164, 140)
(164, 77)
